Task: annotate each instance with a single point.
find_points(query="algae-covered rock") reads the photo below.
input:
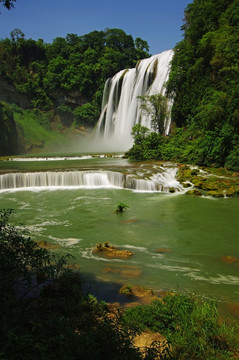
(230, 259)
(138, 291)
(213, 182)
(194, 192)
(111, 251)
(187, 184)
(215, 194)
(163, 250)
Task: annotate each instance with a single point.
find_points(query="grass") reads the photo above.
(190, 326)
(35, 129)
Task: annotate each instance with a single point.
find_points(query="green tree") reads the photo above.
(156, 108)
(23, 264)
(8, 133)
(16, 34)
(8, 4)
(139, 132)
(202, 80)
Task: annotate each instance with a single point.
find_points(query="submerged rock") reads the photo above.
(47, 245)
(129, 272)
(163, 250)
(230, 259)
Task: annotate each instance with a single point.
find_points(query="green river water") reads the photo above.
(198, 231)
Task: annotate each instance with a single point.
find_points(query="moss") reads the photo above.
(126, 290)
(123, 75)
(216, 194)
(171, 190)
(194, 192)
(194, 172)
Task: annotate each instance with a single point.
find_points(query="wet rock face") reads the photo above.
(9, 94)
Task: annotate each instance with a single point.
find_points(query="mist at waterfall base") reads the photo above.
(121, 106)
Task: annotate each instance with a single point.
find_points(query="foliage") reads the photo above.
(202, 80)
(156, 108)
(205, 118)
(86, 114)
(205, 148)
(34, 130)
(190, 327)
(8, 133)
(23, 264)
(75, 66)
(8, 4)
(147, 146)
(121, 207)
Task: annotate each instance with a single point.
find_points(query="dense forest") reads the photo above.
(65, 78)
(69, 74)
(204, 86)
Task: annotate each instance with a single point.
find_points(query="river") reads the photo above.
(179, 242)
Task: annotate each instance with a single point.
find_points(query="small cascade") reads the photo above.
(61, 179)
(162, 182)
(120, 105)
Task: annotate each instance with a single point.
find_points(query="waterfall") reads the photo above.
(120, 105)
(90, 179)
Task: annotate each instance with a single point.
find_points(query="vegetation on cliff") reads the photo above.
(203, 85)
(8, 132)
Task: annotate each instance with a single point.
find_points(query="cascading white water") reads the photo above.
(89, 179)
(121, 106)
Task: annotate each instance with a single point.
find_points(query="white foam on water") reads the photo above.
(66, 241)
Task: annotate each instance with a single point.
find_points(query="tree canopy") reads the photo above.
(74, 67)
(8, 4)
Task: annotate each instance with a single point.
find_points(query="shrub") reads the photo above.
(190, 326)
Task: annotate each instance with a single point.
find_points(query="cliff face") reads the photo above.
(8, 132)
(9, 94)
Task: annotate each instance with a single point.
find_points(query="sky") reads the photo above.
(156, 21)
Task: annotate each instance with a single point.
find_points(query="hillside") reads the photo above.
(203, 84)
